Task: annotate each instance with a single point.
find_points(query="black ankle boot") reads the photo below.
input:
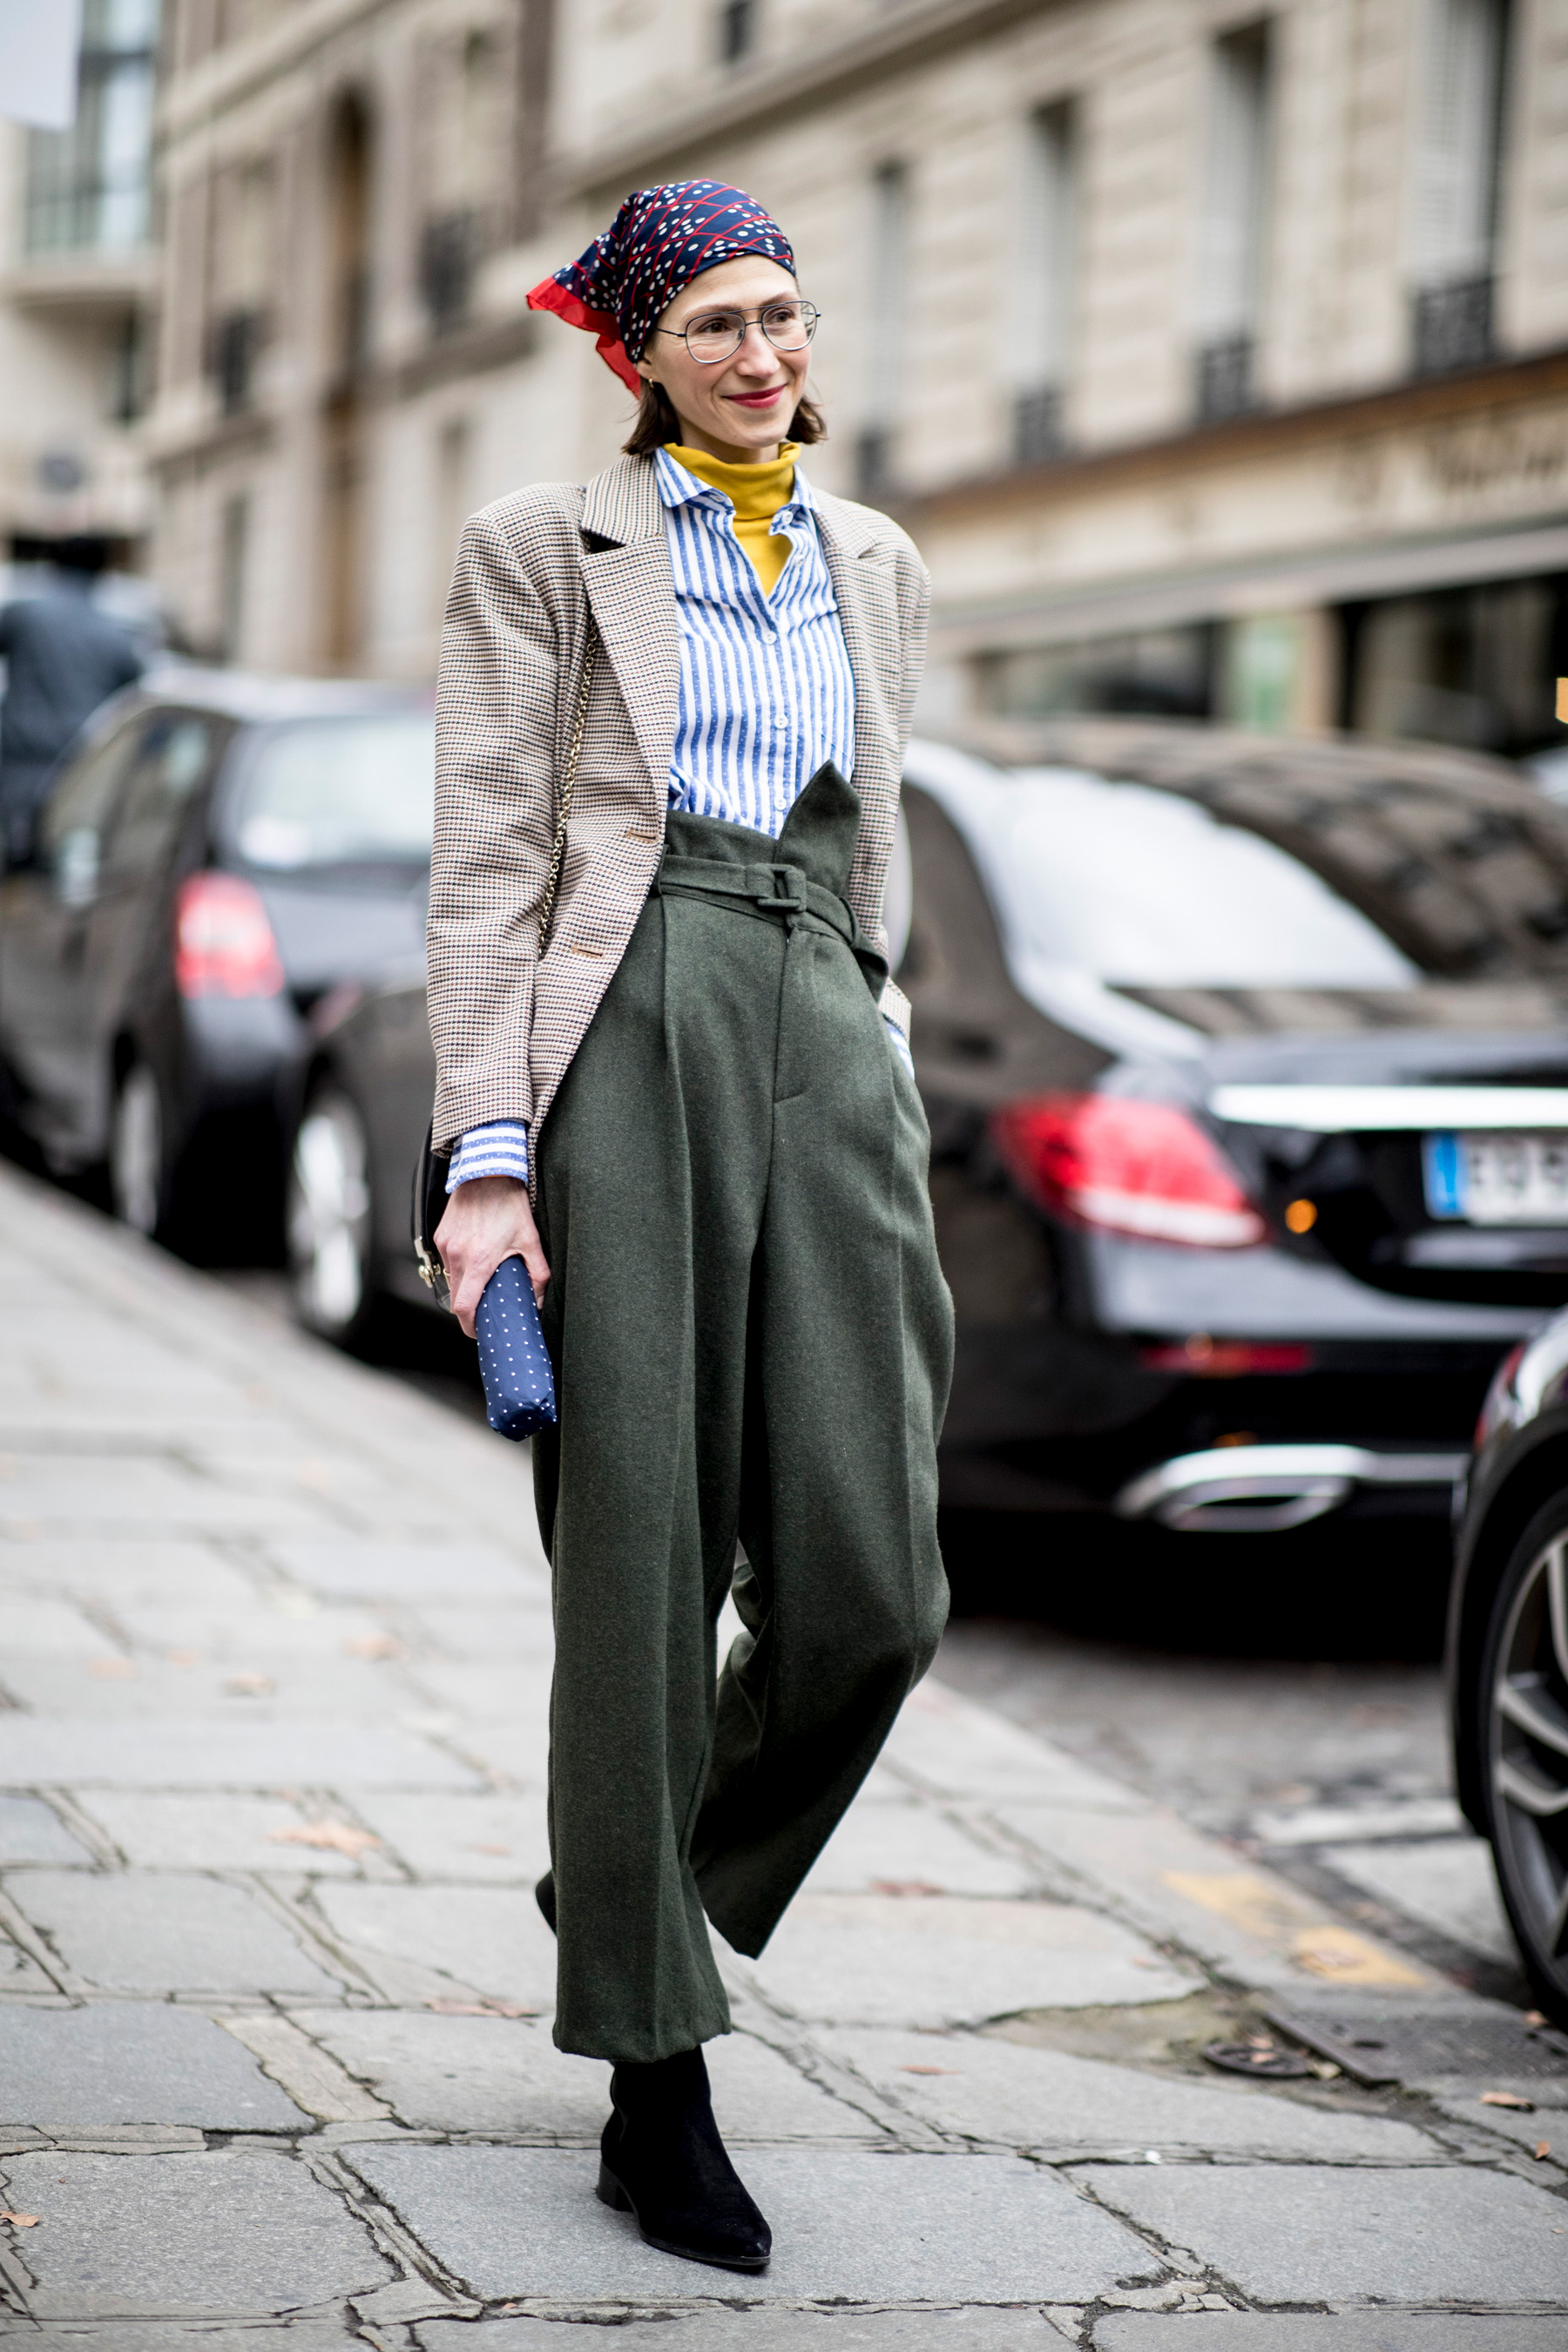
(661, 2158)
(545, 1895)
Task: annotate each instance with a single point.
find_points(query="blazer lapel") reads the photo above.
(632, 592)
(859, 579)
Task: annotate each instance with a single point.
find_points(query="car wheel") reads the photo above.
(138, 1170)
(1524, 1746)
(330, 1224)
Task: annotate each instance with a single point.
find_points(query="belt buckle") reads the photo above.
(783, 902)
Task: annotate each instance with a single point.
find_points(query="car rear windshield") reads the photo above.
(340, 791)
(1148, 890)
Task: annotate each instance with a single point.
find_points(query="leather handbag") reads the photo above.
(520, 1390)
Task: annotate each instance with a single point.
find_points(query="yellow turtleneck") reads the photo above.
(756, 493)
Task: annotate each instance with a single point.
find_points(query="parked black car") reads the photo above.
(1246, 1065)
(218, 854)
(1507, 1649)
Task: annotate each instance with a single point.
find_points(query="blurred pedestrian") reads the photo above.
(705, 1079)
(63, 658)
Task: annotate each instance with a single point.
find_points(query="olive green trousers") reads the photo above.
(753, 1341)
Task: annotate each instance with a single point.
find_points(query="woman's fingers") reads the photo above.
(486, 1221)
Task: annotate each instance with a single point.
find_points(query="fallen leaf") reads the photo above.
(183, 1657)
(489, 1849)
(111, 1670)
(1535, 2017)
(480, 2009)
(928, 2070)
(905, 1886)
(372, 1645)
(1542, 2147)
(250, 1686)
(1325, 2070)
(1507, 2099)
(20, 2221)
(335, 1837)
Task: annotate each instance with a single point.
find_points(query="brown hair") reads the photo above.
(656, 423)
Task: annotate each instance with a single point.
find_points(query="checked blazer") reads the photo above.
(506, 1021)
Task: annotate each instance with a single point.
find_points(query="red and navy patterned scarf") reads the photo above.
(658, 242)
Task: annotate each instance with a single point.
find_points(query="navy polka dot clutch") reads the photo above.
(519, 1386)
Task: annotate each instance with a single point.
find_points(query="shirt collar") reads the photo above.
(677, 487)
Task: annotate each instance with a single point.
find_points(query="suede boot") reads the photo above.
(661, 2158)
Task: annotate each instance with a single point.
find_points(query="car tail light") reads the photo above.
(1126, 1167)
(223, 942)
(1225, 1359)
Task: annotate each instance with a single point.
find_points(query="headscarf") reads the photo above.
(658, 242)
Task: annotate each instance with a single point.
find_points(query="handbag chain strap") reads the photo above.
(569, 785)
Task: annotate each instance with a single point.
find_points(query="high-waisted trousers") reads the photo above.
(752, 1342)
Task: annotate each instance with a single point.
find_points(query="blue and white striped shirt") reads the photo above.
(767, 695)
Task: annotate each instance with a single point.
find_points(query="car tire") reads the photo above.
(329, 1218)
(137, 1152)
(1522, 1707)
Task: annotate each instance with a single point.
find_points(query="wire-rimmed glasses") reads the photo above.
(714, 335)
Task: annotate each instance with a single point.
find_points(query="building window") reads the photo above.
(1040, 318)
(448, 250)
(737, 30)
(1472, 666)
(1153, 673)
(1234, 228)
(87, 187)
(1457, 174)
(886, 295)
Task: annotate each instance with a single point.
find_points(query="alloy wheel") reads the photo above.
(328, 1217)
(136, 1151)
(1527, 1756)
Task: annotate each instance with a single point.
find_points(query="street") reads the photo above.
(277, 2059)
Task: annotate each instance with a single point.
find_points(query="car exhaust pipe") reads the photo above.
(1251, 1490)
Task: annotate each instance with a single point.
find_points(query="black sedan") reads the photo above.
(217, 856)
(1246, 1066)
(1507, 1650)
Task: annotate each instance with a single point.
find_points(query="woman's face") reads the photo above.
(739, 409)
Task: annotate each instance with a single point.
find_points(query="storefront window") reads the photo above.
(1476, 668)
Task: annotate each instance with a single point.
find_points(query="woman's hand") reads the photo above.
(487, 1219)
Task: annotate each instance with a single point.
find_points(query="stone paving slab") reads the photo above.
(200, 2336)
(506, 2077)
(957, 1749)
(132, 2062)
(157, 1830)
(490, 1938)
(85, 1754)
(274, 1625)
(928, 1961)
(1448, 1884)
(348, 1570)
(258, 1688)
(31, 1830)
(475, 1630)
(975, 2330)
(173, 2236)
(169, 1574)
(165, 1932)
(908, 1845)
(1348, 2331)
(1049, 2101)
(48, 1629)
(858, 2228)
(501, 1840)
(1296, 2233)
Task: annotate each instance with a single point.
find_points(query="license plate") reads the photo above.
(1497, 1180)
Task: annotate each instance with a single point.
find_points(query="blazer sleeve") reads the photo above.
(495, 815)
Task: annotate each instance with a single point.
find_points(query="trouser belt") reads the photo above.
(772, 889)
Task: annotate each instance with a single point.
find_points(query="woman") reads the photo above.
(704, 1078)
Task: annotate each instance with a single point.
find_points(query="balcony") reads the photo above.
(1038, 425)
(84, 283)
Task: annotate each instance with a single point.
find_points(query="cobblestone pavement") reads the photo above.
(275, 2059)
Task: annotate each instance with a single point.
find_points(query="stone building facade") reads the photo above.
(78, 282)
(1216, 353)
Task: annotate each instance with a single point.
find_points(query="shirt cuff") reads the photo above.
(499, 1150)
(900, 1043)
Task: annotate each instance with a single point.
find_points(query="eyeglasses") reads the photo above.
(714, 335)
